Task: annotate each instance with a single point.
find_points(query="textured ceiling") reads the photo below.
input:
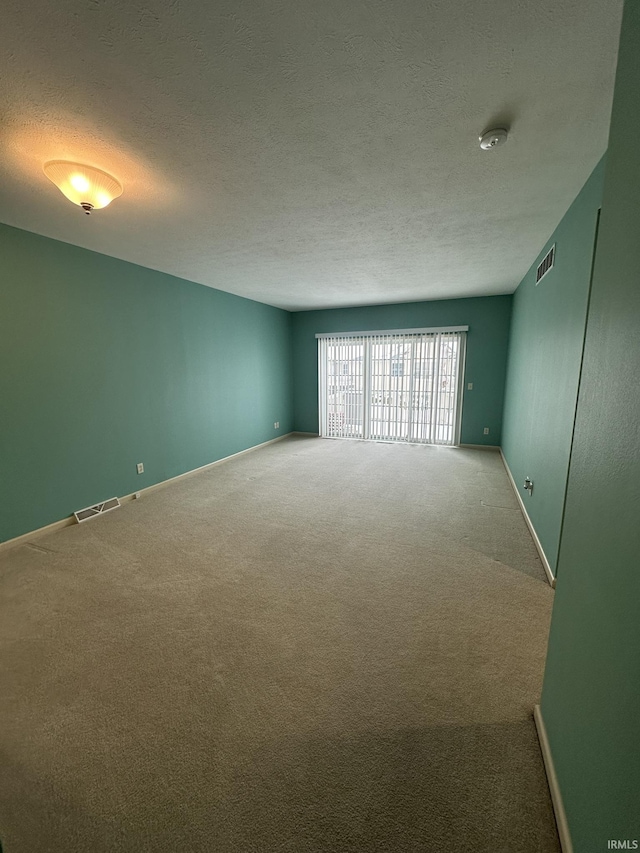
(304, 153)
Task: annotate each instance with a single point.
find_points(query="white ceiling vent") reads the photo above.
(545, 265)
(96, 509)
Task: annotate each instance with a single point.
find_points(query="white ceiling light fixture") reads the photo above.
(86, 186)
(493, 138)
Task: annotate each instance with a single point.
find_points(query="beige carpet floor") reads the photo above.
(319, 646)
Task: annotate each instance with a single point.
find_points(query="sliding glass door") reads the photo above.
(392, 386)
(344, 387)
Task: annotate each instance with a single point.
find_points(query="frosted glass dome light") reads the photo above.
(90, 188)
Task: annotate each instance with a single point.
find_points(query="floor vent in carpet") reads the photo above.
(97, 509)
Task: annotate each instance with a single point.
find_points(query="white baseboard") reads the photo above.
(36, 534)
(206, 467)
(298, 432)
(552, 779)
(481, 446)
(532, 530)
(65, 522)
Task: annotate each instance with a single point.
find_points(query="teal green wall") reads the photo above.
(487, 342)
(545, 354)
(591, 694)
(106, 364)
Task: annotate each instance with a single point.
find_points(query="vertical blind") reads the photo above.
(392, 386)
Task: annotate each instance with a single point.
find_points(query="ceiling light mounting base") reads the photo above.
(86, 206)
(493, 138)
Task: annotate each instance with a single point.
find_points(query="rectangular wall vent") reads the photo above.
(96, 509)
(546, 264)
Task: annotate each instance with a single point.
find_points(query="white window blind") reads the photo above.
(392, 386)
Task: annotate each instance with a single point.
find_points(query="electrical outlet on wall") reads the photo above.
(276, 425)
(140, 467)
(469, 386)
(486, 430)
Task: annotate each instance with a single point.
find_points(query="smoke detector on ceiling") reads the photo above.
(493, 138)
